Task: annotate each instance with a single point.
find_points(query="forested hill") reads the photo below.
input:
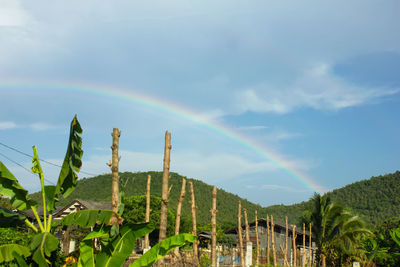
(99, 188)
(375, 200)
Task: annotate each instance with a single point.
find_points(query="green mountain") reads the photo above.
(99, 189)
(375, 200)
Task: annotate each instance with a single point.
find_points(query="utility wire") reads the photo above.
(22, 166)
(45, 161)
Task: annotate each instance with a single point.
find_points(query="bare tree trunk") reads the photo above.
(178, 212)
(115, 177)
(268, 241)
(164, 192)
(273, 239)
(323, 260)
(66, 241)
(304, 246)
(286, 241)
(194, 231)
(285, 261)
(240, 234)
(213, 212)
(247, 231)
(294, 244)
(147, 217)
(257, 241)
(310, 254)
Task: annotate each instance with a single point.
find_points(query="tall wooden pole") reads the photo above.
(286, 240)
(303, 263)
(294, 244)
(247, 232)
(115, 177)
(147, 217)
(213, 212)
(257, 242)
(240, 234)
(194, 231)
(164, 192)
(268, 241)
(178, 212)
(273, 239)
(310, 252)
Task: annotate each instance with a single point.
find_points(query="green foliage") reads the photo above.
(10, 219)
(20, 236)
(162, 249)
(7, 251)
(85, 218)
(10, 187)
(42, 245)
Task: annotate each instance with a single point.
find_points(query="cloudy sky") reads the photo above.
(270, 100)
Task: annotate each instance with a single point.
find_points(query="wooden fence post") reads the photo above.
(273, 239)
(294, 244)
(213, 212)
(115, 177)
(147, 217)
(240, 234)
(257, 242)
(268, 241)
(164, 192)
(194, 231)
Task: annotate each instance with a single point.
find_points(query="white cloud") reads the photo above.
(281, 187)
(11, 13)
(253, 128)
(4, 125)
(316, 88)
(41, 126)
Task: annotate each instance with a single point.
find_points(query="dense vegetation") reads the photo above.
(99, 189)
(375, 200)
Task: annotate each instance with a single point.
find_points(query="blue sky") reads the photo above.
(315, 84)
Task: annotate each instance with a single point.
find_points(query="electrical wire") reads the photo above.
(45, 161)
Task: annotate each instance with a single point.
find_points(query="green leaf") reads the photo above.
(8, 251)
(10, 187)
(85, 218)
(37, 168)
(49, 191)
(43, 244)
(10, 219)
(161, 249)
(123, 244)
(102, 232)
(20, 260)
(395, 234)
(68, 178)
(87, 256)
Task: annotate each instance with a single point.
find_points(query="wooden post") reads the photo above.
(115, 177)
(178, 212)
(164, 192)
(310, 252)
(247, 232)
(257, 241)
(294, 244)
(268, 241)
(213, 212)
(240, 234)
(273, 239)
(194, 231)
(147, 216)
(66, 241)
(304, 246)
(286, 240)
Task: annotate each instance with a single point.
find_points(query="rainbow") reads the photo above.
(175, 110)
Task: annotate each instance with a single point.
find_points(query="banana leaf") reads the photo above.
(68, 177)
(85, 218)
(10, 219)
(43, 245)
(161, 249)
(10, 187)
(8, 251)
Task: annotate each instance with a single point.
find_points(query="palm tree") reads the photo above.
(336, 230)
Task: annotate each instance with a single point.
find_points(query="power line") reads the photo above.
(20, 165)
(45, 161)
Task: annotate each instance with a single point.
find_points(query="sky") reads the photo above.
(269, 100)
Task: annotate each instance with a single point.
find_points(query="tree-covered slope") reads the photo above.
(375, 200)
(99, 189)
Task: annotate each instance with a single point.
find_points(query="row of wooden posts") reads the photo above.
(164, 208)
(271, 240)
(164, 199)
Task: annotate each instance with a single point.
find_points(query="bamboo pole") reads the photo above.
(286, 240)
(294, 244)
(310, 252)
(304, 246)
(247, 232)
(115, 177)
(147, 217)
(273, 239)
(268, 241)
(213, 212)
(257, 241)
(164, 192)
(285, 261)
(240, 234)
(194, 231)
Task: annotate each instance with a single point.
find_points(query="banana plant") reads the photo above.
(44, 242)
